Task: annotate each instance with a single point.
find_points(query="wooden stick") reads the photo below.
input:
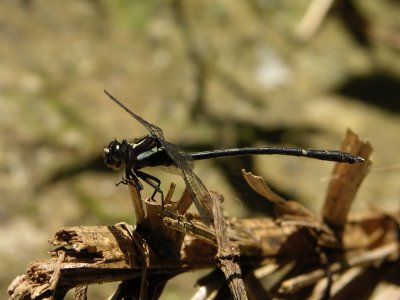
(346, 179)
(313, 18)
(96, 254)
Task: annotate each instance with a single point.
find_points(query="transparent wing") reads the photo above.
(199, 193)
(154, 130)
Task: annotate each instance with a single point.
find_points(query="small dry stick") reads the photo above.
(228, 252)
(194, 228)
(381, 254)
(137, 203)
(313, 18)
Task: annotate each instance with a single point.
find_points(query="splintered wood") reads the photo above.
(346, 179)
(296, 254)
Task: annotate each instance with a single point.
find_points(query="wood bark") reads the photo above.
(295, 254)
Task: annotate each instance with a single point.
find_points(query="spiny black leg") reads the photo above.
(155, 183)
(123, 181)
(132, 178)
(152, 181)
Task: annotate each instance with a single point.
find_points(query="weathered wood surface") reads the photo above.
(107, 253)
(317, 255)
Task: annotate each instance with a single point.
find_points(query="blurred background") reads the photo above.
(211, 74)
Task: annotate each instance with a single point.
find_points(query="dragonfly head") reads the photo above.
(114, 155)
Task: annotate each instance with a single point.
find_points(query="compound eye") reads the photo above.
(115, 150)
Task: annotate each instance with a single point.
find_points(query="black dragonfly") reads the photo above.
(154, 151)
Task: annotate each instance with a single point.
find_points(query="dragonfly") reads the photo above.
(154, 151)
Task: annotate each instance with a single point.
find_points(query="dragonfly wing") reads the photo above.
(200, 195)
(184, 167)
(153, 129)
(172, 170)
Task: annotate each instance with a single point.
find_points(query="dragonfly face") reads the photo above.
(114, 155)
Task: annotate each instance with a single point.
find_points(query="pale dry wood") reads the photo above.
(285, 210)
(100, 254)
(184, 203)
(162, 245)
(346, 180)
(313, 18)
(291, 212)
(354, 259)
(137, 203)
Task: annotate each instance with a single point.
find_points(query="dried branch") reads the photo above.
(228, 252)
(102, 254)
(297, 251)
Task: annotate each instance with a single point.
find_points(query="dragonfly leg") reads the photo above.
(130, 177)
(123, 181)
(155, 183)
